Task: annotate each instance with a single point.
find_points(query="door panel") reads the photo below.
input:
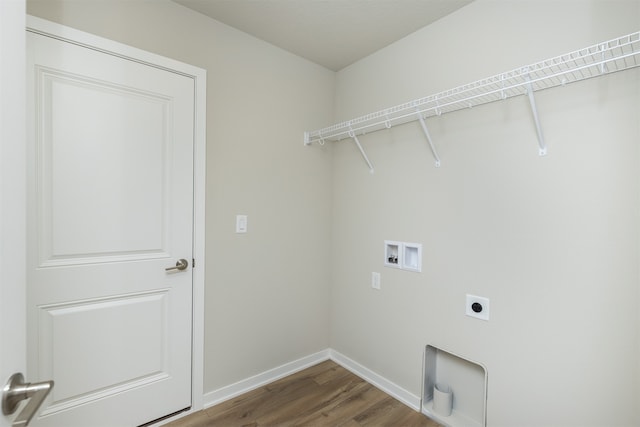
(110, 193)
(122, 131)
(128, 358)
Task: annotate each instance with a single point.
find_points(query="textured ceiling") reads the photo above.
(332, 33)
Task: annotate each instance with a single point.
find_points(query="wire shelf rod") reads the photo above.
(341, 130)
(443, 107)
(600, 59)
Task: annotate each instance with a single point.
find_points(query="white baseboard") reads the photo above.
(251, 383)
(392, 389)
(229, 392)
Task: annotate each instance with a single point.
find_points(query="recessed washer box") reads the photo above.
(403, 255)
(392, 254)
(412, 257)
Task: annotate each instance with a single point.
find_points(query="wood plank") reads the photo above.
(314, 399)
(341, 412)
(330, 372)
(323, 395)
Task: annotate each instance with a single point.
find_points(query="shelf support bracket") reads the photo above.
(542, 146)
(426, 134)
(353, 135)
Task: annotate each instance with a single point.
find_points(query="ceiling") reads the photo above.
(332, 33)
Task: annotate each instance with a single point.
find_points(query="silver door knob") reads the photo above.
(181, 264)
(16, 390)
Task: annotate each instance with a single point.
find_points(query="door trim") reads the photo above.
(199, 75)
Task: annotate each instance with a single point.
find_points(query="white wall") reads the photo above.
(552, 241)
(267, 291)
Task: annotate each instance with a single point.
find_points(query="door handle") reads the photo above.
(16, 390)
(181, 264)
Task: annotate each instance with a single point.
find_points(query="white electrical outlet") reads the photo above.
(477, 307)
(375, 280)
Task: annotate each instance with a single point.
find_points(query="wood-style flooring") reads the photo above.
(322, 395)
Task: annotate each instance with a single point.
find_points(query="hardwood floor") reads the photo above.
(322, 395)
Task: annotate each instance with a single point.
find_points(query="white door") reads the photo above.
(12, 208)
(110, 208)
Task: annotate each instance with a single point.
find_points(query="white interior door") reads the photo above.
(12, 194)
(110, 207)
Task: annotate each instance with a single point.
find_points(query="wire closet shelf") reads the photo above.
(615, 55)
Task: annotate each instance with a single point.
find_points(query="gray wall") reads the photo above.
(552, 241)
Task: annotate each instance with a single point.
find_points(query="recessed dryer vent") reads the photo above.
(467, 381)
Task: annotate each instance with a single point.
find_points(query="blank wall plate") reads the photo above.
(375, 280)
(477, 307)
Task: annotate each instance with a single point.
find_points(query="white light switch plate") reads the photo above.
(241, 223)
